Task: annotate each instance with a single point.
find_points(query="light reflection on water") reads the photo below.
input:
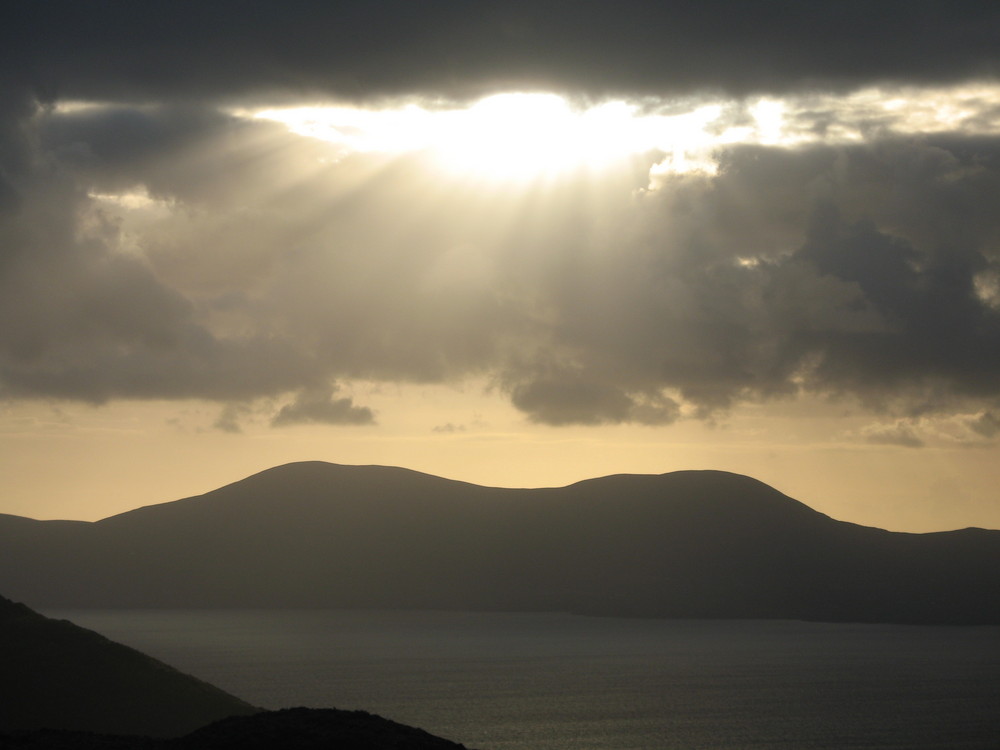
(562, 682)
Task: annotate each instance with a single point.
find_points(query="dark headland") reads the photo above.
(703, 544)
(56, 675)
(63, 687)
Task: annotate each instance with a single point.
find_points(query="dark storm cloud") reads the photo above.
(267, 263)
(866, 271)
(565, 401)
(870, 272)
(193, 154)
(937, 327)
(155, 50)
(318, 406)
(120, 147)
(251, 276)
(84, 317)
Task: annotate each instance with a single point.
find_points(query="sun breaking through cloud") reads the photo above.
(523, 137)
(579, 220)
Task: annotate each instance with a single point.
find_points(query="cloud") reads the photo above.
(967, 430)
(986, 424)
(263, 262)
(229, 418)
(571, 402)
(165, 50)
(569, 398)
(318, 406)
(899, 432)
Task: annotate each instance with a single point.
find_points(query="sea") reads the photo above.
(552, 681)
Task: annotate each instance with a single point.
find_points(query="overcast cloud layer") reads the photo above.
(157, 245)
(160, 48)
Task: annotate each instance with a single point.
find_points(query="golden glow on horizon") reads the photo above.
(82, 462)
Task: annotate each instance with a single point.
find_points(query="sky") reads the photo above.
(513, 243)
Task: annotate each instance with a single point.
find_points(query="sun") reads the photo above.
(515, 137)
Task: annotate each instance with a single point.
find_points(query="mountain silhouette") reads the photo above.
(686, 544)
(312, 729)
(56, 675)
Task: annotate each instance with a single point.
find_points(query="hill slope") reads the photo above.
(287, 729)
(686, 544)
(56, 675)
(64, 687)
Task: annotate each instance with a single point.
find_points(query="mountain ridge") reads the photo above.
(682, 544)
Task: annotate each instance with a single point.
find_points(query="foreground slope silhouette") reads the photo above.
(686, 544)
(287, 729)
(63, 687)
(56, 675)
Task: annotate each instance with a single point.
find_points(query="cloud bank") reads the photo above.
(155, 243)
(161, 50)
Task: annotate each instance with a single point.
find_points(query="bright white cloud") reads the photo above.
(519, 136)
(511, 137)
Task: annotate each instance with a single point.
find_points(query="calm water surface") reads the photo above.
(563, 682)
